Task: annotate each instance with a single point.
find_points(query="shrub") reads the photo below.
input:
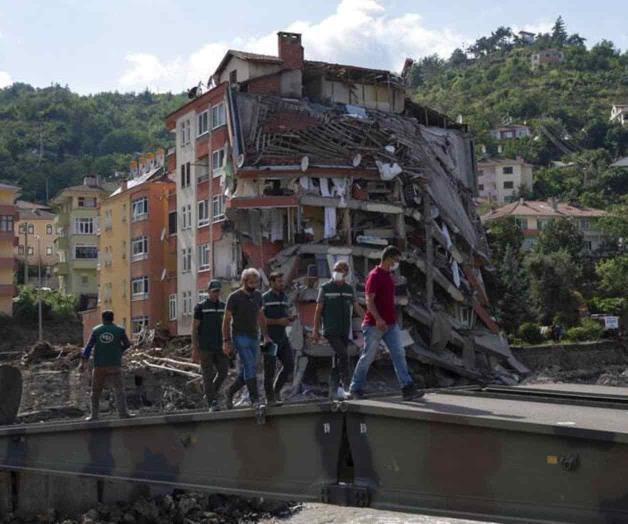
(530, 333)
(588, 330)
(55, 305)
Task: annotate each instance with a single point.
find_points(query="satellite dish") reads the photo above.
(240, 160)
(192, 93)
(305, 163)
(163, 274)
(357, 160)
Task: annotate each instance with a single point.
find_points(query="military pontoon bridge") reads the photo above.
(508, 454)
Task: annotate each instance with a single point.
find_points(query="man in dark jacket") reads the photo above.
(207, 343)
(108, 341)
(276, 305)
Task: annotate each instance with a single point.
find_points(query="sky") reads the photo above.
(171, 45)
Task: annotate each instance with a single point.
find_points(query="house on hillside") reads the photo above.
(510, 132)
(533, 215)
(619, 114)
(502, 180)
(527, 37)
(547, 57)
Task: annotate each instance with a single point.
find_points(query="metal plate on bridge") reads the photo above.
(10, 393)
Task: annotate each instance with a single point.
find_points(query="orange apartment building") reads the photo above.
(8, 220)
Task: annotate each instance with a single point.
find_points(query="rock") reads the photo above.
(128, 518)
(187, 504)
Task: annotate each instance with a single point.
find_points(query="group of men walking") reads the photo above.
(223, 330)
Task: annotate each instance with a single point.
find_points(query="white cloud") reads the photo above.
(359, 32)
(540, 26)
(5, 79)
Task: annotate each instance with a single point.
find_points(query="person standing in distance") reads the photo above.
(243, 316)
(108, 341)
(380, 323)
(277, 319)
(335, 305)
(207, 343)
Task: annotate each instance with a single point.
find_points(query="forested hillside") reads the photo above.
(493, 82)
(54, 135)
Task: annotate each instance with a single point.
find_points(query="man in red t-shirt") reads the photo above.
(380, 323)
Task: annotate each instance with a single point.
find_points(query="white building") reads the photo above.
(503, 180)
(619, 114)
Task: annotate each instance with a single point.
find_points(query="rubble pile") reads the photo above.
(176, 508)
(369, 179)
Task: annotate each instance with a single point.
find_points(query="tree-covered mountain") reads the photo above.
(52, 136)
(567, 105)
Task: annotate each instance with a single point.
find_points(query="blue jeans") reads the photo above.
(372, 338)
(246, 348)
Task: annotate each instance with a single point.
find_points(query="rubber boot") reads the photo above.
(123, 411)
(233, 389)
(270, 365)
(95, 407)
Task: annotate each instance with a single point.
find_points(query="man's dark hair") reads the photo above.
(107, 316)
(390, 252)
(275, 275)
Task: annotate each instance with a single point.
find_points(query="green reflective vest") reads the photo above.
(108, 345)
(337, 308)
(210, 315)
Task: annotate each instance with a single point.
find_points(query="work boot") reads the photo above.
(123, 411)
(214, 406)
(356, 394)
(95, 407)
(410, 392)
(233, 389)
(341, 394)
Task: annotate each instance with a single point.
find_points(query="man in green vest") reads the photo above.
(108, 341)
(207, 343)
(335, 306)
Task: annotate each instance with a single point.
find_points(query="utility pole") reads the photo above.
(39, 306)
(25, 253)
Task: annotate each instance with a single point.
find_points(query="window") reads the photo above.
(187, 259)
(218, 161)
(585, 224)
(139, 209)
(22, 228)
(186, 176)
(481, 187)
(139, 287)
(509, 185)
(172, 223)
(138, 323)
(31, 229)
(202, 123)
(30, 251)
(588, 245)
(522, 222)
(184, 132)
(172, 307)
(507, 170)
(6, 223)
(86, 252)
(87, 202)
(541, 224)
(48, 229)
(84, 226)
(218, 115)
(187, 303)
(203, 213)
(203, 257)
(218, 207)
(233, 76)
(139, 248)
(84, 280)
(20, 250)
(188, 215)
(49, 250)
(202, 172)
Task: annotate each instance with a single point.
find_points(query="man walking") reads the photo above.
(243, 315)
(335, 306)
(380, 323)
(207, 343)
(108, 341)
(275, 302)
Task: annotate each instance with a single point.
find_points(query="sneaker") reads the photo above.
(214, 406)
(410, 392)
(341, 394)
(91, 418)
(356, 394)
(127, 415)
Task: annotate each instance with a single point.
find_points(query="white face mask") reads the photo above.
(395, 266)
(338, 276)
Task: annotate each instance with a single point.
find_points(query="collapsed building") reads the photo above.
(299, 164)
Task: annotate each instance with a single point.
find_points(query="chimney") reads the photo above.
(290, 49)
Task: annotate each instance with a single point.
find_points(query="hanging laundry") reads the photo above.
(276, 225)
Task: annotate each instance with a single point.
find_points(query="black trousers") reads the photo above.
(285, 354)
(340, 371)
(214, 366)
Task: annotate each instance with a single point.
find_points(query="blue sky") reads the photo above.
(95, 45)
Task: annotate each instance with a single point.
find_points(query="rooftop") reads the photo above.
(541, 208)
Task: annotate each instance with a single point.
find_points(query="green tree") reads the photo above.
(512, 301)
(559, 32)
(613, 274)
(504, 234)
(553, 278)
(560, 235)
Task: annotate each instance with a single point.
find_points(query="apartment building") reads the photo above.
(137, 262)
(76, 224)
(504, 180)
(619, 114)
(533, 216)
(8, 219)
(35, 231)
(547, 57)
(510, 132)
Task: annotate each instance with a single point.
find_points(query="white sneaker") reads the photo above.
(341, 394)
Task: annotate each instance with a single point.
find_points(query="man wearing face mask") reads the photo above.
(380, 323)
(335, 306)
